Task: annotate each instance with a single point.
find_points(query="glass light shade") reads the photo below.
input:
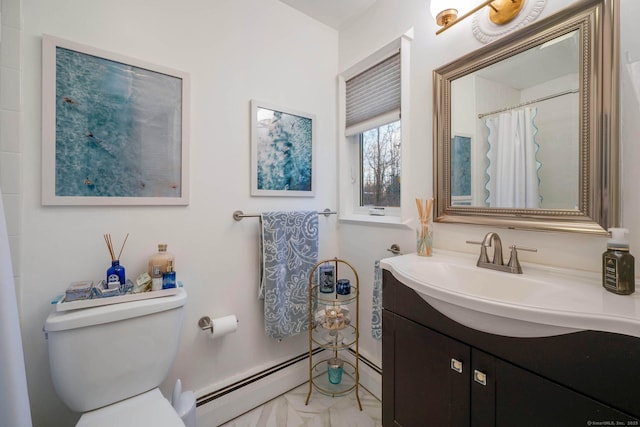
(438, 6)
(462, 6)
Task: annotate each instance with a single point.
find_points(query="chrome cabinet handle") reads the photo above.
(479, 377)
(456, 365)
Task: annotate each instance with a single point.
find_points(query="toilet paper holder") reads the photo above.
(207, 324)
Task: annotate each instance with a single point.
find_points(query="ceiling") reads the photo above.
(334, 13)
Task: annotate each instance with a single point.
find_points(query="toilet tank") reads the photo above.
(101, 355)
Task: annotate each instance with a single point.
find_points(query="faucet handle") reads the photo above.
(484, 258)
(522, 248)
(514, 263)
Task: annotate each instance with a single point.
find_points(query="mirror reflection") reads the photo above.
(515, 140)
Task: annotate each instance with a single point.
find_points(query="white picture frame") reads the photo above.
(115, 129)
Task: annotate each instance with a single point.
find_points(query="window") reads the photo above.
(375, 136)
(380, 165)
(373, 115)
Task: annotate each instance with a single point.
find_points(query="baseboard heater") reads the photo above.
(253, 378)
(203, 400)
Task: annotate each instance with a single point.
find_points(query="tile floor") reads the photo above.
(289, 410)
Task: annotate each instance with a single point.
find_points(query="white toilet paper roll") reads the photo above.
(224, 325)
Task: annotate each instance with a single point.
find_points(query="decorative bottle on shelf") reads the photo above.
(169, 277)
(618, 275)
(156, 278)
(116, 274)
(160, 259)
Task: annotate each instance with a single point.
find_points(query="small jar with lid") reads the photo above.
(160, 259)
(618, 274)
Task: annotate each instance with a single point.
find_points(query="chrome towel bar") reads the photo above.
(238, 215)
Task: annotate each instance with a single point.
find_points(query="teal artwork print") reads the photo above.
(284, 151)
(118, 129)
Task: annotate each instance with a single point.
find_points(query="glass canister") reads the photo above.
(424, 239)
(335, 366)
(160, 259)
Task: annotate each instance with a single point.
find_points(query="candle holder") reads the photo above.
(335, 367)
(343, 287)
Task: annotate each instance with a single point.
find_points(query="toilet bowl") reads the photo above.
(108, 361)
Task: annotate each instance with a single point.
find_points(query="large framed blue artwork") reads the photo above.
(282, 151)
(115, 129)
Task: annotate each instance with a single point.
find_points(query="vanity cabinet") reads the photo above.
(437, 372)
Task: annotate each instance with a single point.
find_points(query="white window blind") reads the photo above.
(373, 96)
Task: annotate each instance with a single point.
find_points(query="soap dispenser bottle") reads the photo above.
(169, 277)
(618, 275)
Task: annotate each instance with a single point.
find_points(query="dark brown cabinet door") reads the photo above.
(430, 381)
(483, 389)
(525, 399)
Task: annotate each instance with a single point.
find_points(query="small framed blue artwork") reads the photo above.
(115, 129)
(282, 151)
(460, 170)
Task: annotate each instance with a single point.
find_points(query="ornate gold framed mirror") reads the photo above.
(526, 128)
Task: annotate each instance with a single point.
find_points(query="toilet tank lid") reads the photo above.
(60, 321)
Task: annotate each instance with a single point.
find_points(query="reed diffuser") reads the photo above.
(424, 233)
(116, 273)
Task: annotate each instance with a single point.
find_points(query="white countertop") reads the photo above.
(543, 301)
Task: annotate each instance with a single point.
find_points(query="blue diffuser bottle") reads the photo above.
(116, 272)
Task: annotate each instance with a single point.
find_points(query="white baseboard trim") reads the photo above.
(223, 405)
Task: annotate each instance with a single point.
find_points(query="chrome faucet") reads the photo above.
(497, 262)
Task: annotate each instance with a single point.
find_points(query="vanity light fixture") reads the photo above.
(502, 12)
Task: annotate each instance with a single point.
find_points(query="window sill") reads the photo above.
(373, 220)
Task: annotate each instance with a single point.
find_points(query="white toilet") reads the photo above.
(107, 362)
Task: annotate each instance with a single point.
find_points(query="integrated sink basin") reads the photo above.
(543, 301)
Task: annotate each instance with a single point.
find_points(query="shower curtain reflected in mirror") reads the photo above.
(512, 171)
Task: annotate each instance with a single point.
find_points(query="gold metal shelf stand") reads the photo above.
(334, 340)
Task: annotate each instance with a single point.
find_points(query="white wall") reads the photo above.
(234, 51)
(362, 244)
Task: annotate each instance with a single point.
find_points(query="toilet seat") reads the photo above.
(146, 409)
